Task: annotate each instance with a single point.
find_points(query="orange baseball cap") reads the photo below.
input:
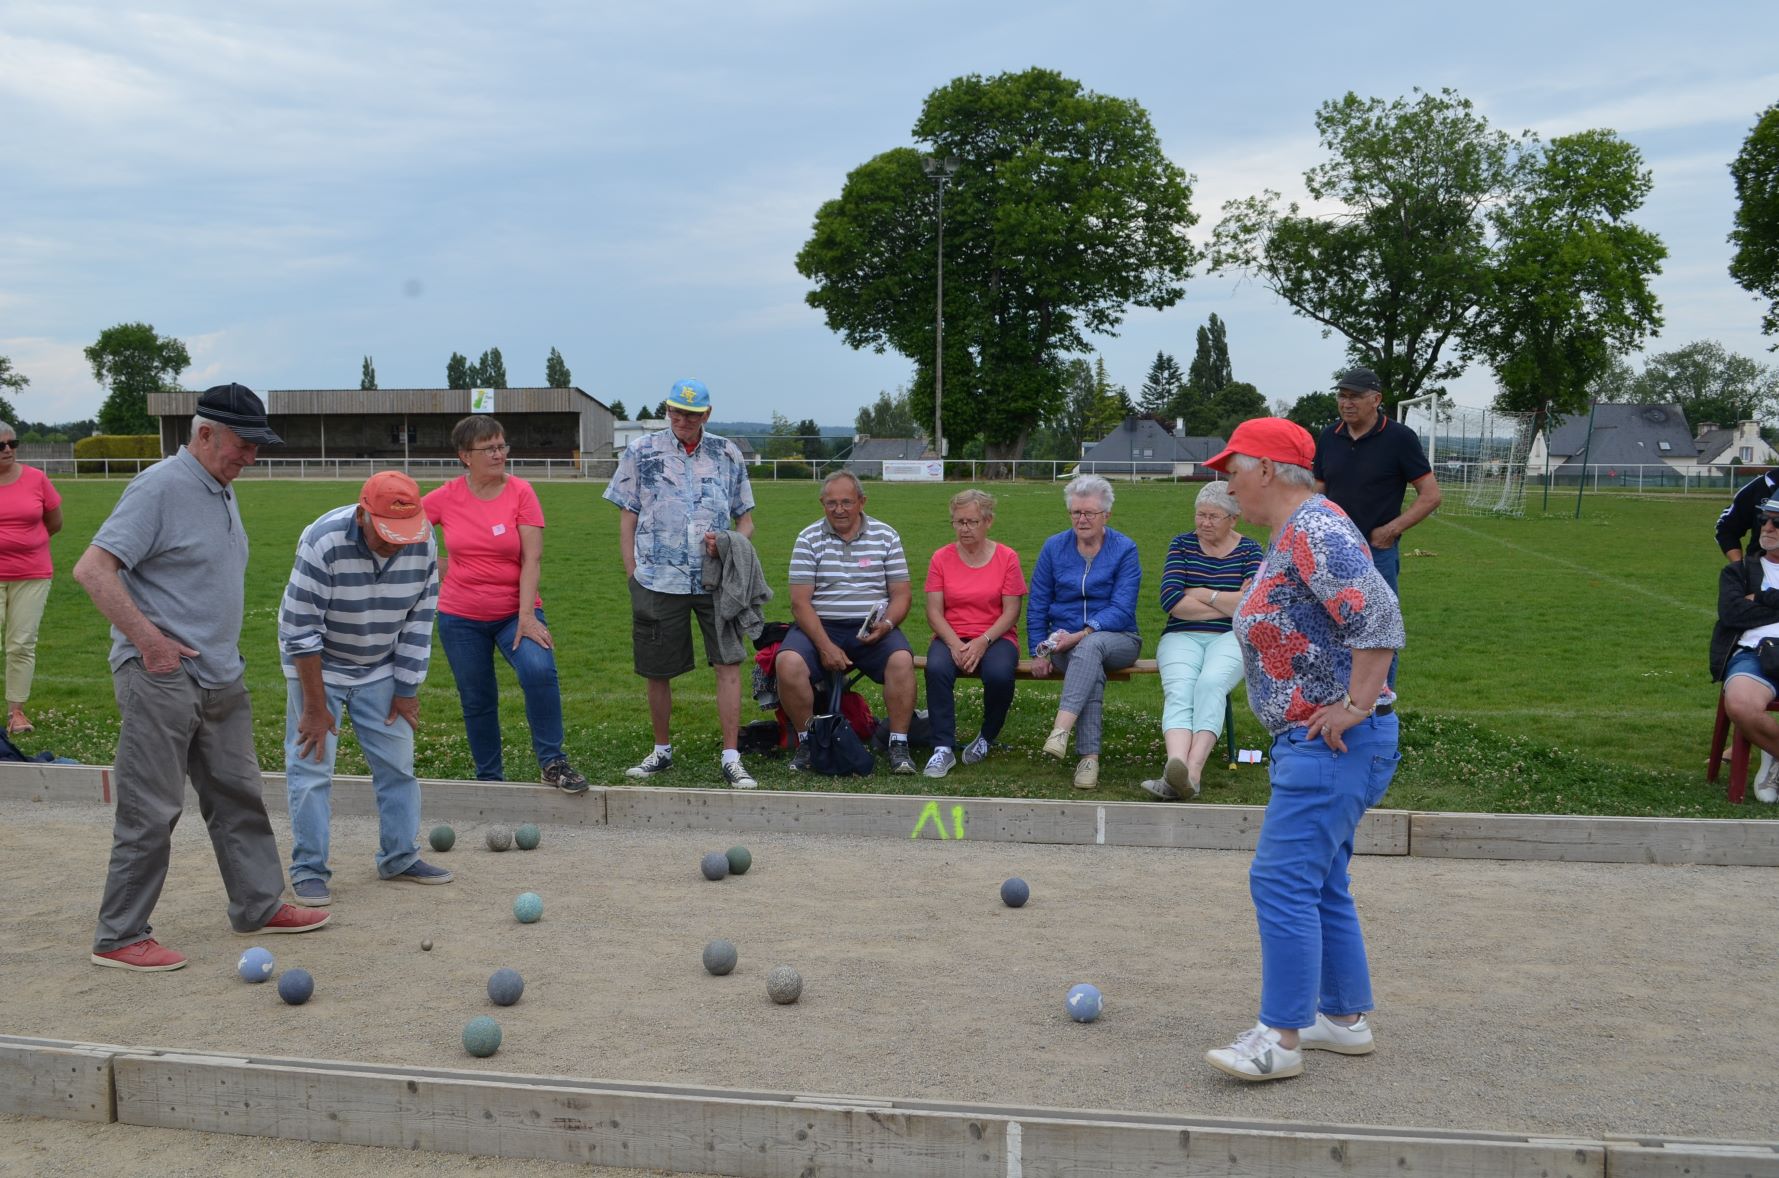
(392, 500)
(1277, 438)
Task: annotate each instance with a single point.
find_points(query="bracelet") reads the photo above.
(1346, 701)
(1213, 601)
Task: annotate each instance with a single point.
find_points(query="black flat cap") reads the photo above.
(239, 408)
(1362, 379)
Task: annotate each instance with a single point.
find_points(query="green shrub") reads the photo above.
(115, 447)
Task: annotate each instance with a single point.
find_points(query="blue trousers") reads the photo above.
(390, 750)
(1388, 562)
(470, 646)
(999, 662)
(1312, 953)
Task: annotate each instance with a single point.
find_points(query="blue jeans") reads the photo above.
(470, 647)
(390, 750)
(1388, 561)
(996, 670)
(1312, 953)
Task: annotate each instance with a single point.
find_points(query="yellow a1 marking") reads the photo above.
(931, 811)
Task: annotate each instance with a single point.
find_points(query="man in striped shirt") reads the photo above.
(355, 632)
(843, 567)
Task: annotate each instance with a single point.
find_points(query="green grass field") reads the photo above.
(1553, 665)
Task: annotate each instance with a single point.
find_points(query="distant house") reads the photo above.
(1624, 436)
(869, 454)
(1143, 446)
(1720, 447)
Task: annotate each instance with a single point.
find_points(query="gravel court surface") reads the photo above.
(1567, 999)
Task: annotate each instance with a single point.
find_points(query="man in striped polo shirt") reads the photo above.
(843, 567)
(355, 632)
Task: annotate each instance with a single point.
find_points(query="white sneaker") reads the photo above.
(1766, 786)
(736, 776)
(1256, 1055)
(1328, 1035)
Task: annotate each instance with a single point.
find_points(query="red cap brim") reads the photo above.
(401, 531)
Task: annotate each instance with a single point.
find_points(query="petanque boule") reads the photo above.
(481, 1036)
(740, 859)
(528, 908)
(1015, 892)
(255, 965)
(296, 986)
(1084, 1003)
(720, 957)
(505, 986)
(426, 945)
(499, 838)
(714, 866)
(784, 985)
(442, 838)
(527, 837)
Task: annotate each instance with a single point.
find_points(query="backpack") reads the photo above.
(834, 748)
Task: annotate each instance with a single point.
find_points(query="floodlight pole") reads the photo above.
(941, 169)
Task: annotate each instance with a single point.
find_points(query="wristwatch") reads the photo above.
(1346, 701)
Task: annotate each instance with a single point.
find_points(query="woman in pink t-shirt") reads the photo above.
(493, 551)
(30, 513)
(974, 590)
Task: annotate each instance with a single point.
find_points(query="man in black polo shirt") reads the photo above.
(1365, 463)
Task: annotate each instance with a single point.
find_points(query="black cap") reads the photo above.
(239, 408)
(1362, 379)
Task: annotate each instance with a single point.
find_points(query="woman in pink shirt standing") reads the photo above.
(30, 513)
(493, 552)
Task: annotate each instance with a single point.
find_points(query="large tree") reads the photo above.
(619, 412)
(10, 378)
(367, 375)
(1314, 411)
(1709, 382)
(1063, 212)
(1162, 385)
(556, 373)
(1211, 372)
(133, 360)
(490, 372)
(1756, 235)
(1396, 258)
(1570, 286)
(457, 372)
(890, 417)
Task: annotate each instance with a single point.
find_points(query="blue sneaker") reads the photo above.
(421, 872)
(311, 893)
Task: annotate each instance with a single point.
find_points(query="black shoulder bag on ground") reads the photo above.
(834, 748)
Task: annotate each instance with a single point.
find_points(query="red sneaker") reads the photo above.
(145, 956)
(291, 919)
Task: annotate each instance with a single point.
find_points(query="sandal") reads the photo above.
(17, 724)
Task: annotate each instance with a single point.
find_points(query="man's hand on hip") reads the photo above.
(408, 708)
(314, 726)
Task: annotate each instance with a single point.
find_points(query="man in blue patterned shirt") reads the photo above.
(676, 490)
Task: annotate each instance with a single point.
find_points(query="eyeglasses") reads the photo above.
(497, 448)
(961, 522)
(9, 443)
(1084, 514)
(1766, 521)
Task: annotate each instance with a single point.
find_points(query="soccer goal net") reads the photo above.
(1478, 454)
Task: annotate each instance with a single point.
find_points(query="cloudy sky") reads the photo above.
(288, 187)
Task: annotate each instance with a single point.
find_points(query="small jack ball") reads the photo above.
(740, 859)
(1015, 892)
(528, 836)
(442, 838)
(784, 985)
(481, 1036)
(426, 946)
(505, 987)
(295, 986)
(1084, 1003)
(255, 965)
(499, 838)
(720, 957)
(714, 865)
(528, 908)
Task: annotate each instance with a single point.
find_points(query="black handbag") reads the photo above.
(1768, 654)
(835, 750)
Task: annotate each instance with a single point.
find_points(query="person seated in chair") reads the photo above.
(1747, 613)
(843, 567)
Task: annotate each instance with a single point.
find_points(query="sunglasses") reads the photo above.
(9, 443)
(1765, 520)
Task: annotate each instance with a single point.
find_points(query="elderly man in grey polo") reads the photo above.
(168, 569)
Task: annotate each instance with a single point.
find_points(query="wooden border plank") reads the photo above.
(39, 781)
(1628, 1158)
(1718, 842)
(462, 803)
(67, 1081)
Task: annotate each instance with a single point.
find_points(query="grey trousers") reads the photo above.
(1084, 668)
(173, 728)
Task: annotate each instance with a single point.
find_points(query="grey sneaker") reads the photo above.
(1161, 789)
(940, 763)
(900, 759)
(800, 758)
(1346, 1038)
(562, 775)
(311, 893)
(650, 765)
(1179, 778)
(1256, 1055)
(421, 872)
(976, 751)
(735, 774)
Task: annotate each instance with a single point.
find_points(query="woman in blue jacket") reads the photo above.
(1082, 618)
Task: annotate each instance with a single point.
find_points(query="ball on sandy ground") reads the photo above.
(505, 986)
(1015, 892)
(1084, 1003)
(442, 838)
(714, 865)
(499, 838)
(255, 965)
(481, 1036)
(740, 859)
(296, 986)
(528, 908)
(720, 957)
(426, 945)
(528, 836)
(784, 985)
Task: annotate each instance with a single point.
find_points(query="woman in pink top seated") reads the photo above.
(493, 552)
(974, 588)
(30, 513)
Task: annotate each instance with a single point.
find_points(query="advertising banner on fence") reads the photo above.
(922, 471)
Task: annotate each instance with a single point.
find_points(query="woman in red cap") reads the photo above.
(1318, 627)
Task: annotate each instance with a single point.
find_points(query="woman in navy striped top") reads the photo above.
(1206, 573)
